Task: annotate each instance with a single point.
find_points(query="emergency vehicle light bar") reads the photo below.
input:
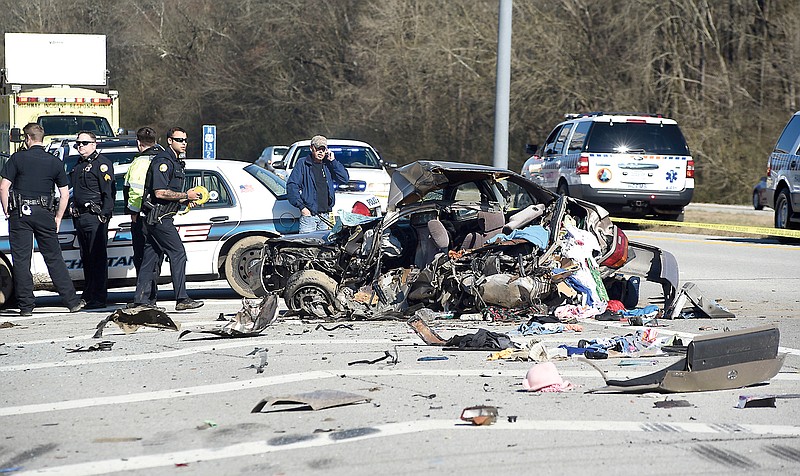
(32, 100)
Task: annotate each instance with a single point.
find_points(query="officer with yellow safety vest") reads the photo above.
(133, 190)
(162, 199)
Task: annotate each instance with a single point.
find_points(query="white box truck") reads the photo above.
(64, 100)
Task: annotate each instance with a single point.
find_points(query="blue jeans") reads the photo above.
(313, 223)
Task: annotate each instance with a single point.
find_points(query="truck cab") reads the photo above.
(62, 111)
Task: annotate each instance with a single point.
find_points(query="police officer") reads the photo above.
(163, 197)
(93, 194)
(29, 207)
(134, 189)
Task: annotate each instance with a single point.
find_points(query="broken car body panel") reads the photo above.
(720, 361)
(432, 247)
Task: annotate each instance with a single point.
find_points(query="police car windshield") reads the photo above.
(637, 138)
(274, 184)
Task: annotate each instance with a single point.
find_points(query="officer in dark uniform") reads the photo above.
(30, 208)
(93, 194)
(163, 196)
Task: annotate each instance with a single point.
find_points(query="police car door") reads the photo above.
(203, 229)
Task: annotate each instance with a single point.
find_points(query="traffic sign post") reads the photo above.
(209, 142)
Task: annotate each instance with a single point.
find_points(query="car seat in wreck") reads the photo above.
(489, 224)
(432, 238)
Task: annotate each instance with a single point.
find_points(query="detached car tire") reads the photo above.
(238, 266)
(308, 290)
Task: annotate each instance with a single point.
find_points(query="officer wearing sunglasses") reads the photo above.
(93, 195)
(163, 197)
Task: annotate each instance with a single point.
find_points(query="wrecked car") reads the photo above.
(456, 237)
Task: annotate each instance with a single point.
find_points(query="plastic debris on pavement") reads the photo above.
(479, 415)
(756, 401)
(432, 358)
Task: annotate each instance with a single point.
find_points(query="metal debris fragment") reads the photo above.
(104, 345)
(387, 355)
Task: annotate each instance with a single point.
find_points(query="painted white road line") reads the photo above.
(111, 332)
(236, 343)
(277, 444)
(299, 377)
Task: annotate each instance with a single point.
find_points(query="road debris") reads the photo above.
(720, 361)
(756, 401)
(387, 355)
(130, 320)
(667, 403)
(316, 400)
(336, 327)
(254, 316)
(262, 353)
(206, 425)
(480, 415)
(105, 345)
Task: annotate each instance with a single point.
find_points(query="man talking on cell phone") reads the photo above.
(310, 186)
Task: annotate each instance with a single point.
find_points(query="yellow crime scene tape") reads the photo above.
(753, 230)
(204, 196)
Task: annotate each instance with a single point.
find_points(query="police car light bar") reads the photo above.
(603, 113)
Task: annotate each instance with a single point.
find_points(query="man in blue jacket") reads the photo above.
(310, 185)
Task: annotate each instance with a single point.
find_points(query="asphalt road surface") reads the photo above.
(154, 404)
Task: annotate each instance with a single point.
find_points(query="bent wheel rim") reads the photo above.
(310, 298)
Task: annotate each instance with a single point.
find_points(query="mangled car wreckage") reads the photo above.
(459, 238)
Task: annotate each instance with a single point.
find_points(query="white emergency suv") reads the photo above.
(630, 163)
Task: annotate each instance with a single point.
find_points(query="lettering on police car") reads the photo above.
(113, 262)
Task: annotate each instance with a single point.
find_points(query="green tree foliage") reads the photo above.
(416, 77)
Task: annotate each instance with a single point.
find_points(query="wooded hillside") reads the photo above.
(416, 78)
